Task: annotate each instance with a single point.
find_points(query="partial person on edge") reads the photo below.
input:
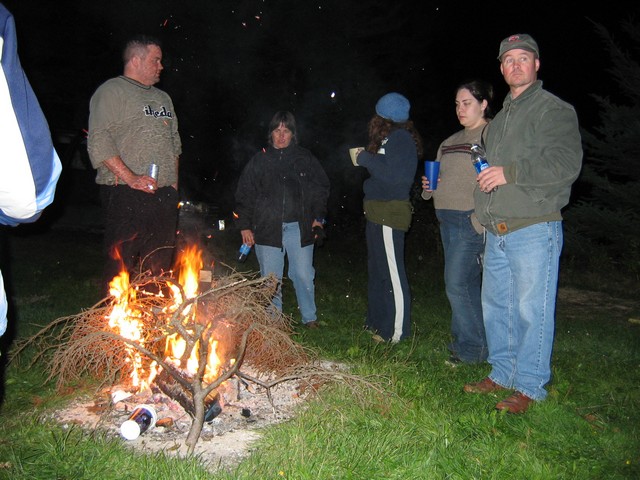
(29, 165)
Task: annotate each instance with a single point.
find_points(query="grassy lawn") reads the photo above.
(424, 428)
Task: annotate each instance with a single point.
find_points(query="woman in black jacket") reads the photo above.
(281, 196)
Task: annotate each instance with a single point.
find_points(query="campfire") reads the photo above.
(187, 338)
(199, 341)
(187, 335)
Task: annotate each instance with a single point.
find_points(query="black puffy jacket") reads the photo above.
(262, 198)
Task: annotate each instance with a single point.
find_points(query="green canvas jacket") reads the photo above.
(536, 138)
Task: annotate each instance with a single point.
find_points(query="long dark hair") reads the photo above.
(480, 90)
(380, 128)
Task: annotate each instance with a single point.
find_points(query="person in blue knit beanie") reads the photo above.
(391, 159)
(394, 107)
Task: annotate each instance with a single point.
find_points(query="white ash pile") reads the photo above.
(243, 409)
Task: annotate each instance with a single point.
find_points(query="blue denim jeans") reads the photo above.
(463, 248)
(520, 283)
(300, 271)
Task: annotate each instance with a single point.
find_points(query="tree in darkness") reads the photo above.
(603, 226)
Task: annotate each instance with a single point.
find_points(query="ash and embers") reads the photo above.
(223, 442)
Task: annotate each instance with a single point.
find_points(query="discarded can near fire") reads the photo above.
(153, 171)
(142, 419)
(212, 407)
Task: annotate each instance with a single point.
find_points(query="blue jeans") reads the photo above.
(463, 248)
(300, 271)
(519, 288)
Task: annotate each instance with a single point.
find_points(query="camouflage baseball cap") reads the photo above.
(519, 40)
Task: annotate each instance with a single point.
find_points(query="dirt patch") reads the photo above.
(576, 304)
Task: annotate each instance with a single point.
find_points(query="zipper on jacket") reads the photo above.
(487, 209)
(284, 201)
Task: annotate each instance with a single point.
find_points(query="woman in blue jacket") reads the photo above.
(391, 159)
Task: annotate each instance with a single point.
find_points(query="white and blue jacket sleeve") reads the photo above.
(29, 165)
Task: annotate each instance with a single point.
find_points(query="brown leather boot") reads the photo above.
(486, 385)
(516, 403)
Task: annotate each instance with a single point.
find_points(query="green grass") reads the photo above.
(423, 428)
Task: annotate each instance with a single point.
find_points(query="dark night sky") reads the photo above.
(229, 65)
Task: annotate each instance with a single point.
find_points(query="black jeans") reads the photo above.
(140, 230)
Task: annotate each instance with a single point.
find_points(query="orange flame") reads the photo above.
(189, 265)
(175, 349)
(127, 321)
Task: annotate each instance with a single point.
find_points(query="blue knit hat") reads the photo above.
(394, 107)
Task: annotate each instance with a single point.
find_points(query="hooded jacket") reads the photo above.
(536, 138)
(281, 185)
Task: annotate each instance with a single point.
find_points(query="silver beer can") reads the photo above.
(153, 171)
